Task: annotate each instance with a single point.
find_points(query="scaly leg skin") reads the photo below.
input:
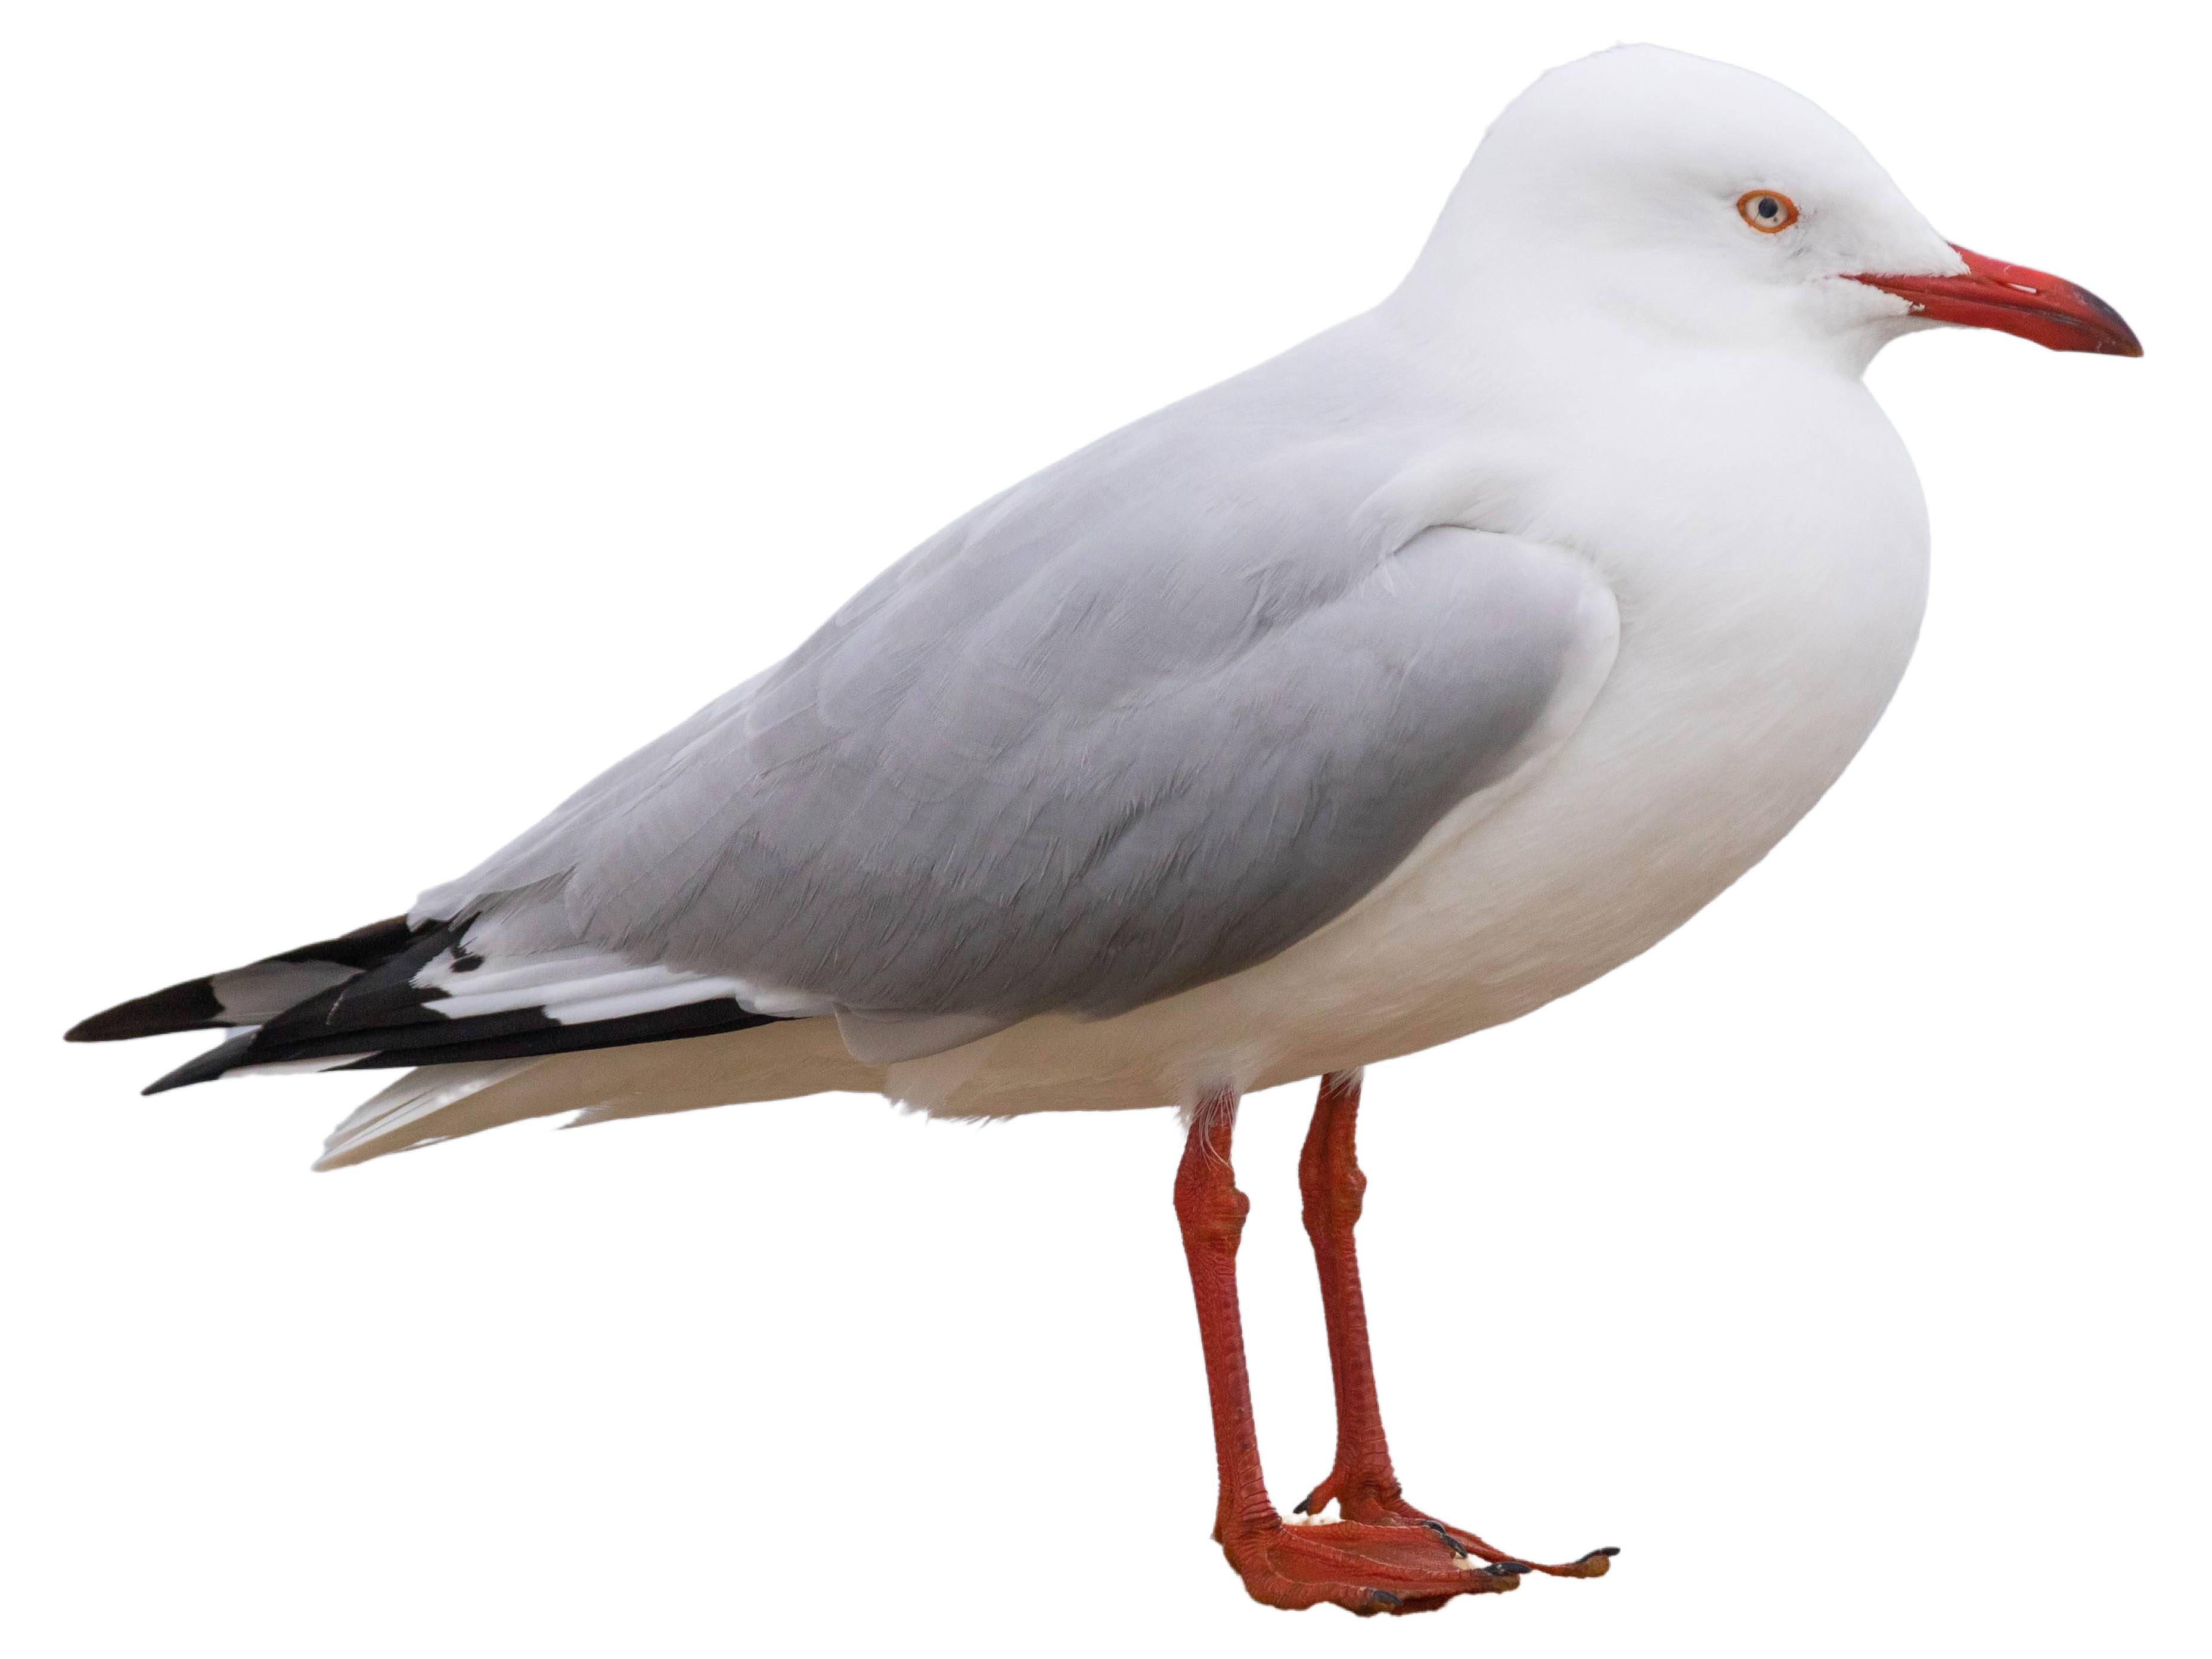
(1365, 1487)
(1392, 1567)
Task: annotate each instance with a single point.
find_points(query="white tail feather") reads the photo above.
(409, 1113)
(439, 1102)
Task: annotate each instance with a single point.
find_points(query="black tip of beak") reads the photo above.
(2120, 340)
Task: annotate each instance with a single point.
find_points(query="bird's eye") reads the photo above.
(1767, 210)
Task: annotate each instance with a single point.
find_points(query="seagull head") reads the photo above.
(1645, 194)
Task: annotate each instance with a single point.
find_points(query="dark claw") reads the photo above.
(1306, 1504)
(1607, 1550)
(1451, 1542)
(1508, 1568)
(1385, 1598)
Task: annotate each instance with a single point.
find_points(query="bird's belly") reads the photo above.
(1708, 741)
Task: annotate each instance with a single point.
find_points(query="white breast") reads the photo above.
(1765, 618)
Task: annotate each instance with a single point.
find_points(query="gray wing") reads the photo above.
(1139, 723)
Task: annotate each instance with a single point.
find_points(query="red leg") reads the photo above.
(1212, 1213)
(1392, 1568)
(1362, 1484)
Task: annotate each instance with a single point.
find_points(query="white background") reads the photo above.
(409, 409)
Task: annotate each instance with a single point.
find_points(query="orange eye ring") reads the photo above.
(1766, 211)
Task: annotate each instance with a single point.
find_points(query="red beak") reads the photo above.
(2032, 304)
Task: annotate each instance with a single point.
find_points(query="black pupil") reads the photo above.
(1769, 208)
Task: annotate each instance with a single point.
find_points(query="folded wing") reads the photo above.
(1141, 723)
(1080, 753)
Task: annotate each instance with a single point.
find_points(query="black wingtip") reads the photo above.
(194, 1007)
(203, 1068)
(190, 1007)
